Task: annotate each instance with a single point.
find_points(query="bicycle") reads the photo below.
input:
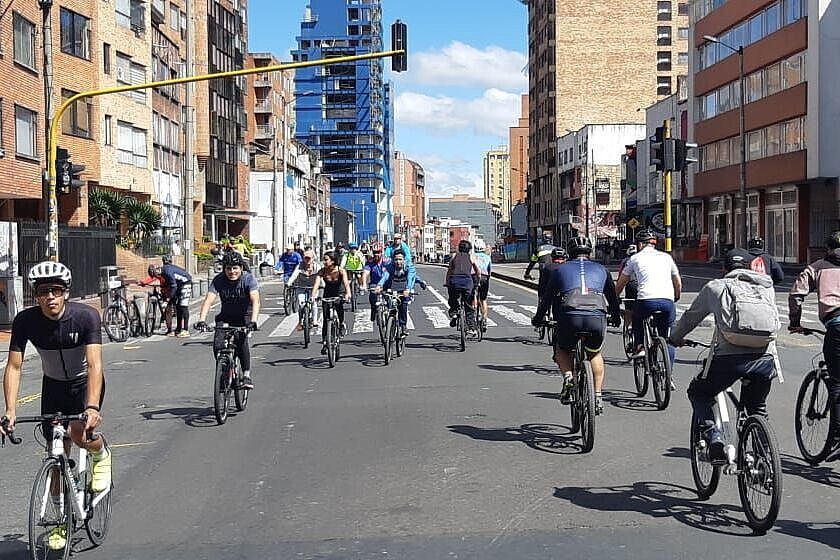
(305, 312)
(395, 333)
(121, 318)
(543, 330)
(354, 288)
(154, 306)
(654, 366)
(627, 334)
(62, 498)
(381, 315)
(332, 329)
(752, 454)
(228, 378)
(290, 302)
(814, 411)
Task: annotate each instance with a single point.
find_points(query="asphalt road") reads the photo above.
(441, 454)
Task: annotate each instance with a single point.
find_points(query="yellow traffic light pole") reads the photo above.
(666, 176)
(52, 236)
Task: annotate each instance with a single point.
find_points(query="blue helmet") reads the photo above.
(353, 246)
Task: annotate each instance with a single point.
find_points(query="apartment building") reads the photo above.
(496, 174)
(582, 73)
(409, 193)
(518, 143)
(791, 106)
(472, 210)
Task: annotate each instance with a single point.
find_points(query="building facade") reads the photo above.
(496, 174)
(344, 110)
(518, 145)
(475, 211)
(409, 193)
(568, 88)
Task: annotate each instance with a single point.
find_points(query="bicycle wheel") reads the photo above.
(51, 518)
(760, 473)
(390, 335)
(116, 323)
(660, 372)
(332, 331)
(462, 328)
(221, 390)
(99, 515)
(481, 325)
(399, 343)
(706, 476)
(381, 320)
(586, 405)
(240, 395)
(549, 333)
(287, 300)
(295, 304)
(813, 418)
(353, 290)
(627, 339)
(307, 324)
(640, 376)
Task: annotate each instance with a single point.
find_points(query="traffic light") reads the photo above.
(657, 148)
(682, 158)
(68, 174)
(399, 41)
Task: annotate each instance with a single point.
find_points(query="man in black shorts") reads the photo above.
(68, 338)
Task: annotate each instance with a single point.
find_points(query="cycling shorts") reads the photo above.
(568, 326)
(483, 288)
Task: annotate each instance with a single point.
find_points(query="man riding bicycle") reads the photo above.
(288, 262)
(541, 258)
(823, 277)
(764, 262)
(460, 282)
(738, 350)
(240, 296)
(353, 262)
(399, 245)
(484, 264)
(302, 280)
(68, 337)
(580, 293)
(399, 276)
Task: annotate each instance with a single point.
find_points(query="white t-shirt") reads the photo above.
(653, 271)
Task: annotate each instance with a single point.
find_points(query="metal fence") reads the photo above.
(82, 249)
(154, 246)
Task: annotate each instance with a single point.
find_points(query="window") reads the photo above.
(773, 78)
(174, 22)
(663, 35)
(663, 10)
(756, 28)
(682, 33)
(682, 8)
(710, 105)
(735, 150)
(793, 11)
(26, 125)
(792, 136)
(2, 144)
(107, 130)
(723, 100)
(663, 85)
(663, 61)
(682, 58)
(723, 149)
(131, 143)
(128, 73)
(754, 87)
(123, 69)
(131, 13)
(773, 143)
(76, 120)
(792, 71)
(106, 58)
(772, 18)
(708, 156)
(75, 34)
(123, 12)
(24, 31)
(755, 145)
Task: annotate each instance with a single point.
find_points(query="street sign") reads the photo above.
(633, 223)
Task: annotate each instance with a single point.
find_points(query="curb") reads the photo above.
(518, 280)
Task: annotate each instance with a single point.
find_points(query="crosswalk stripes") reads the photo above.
(512, 315)
(437, 316)
(286, 327)
(529, 308)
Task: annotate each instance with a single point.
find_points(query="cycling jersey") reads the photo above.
(353, 261)
(389, 251)
(653, 270)
(288, 262)
(235, 297)
(60, 343)
(578, 276)
(823, 277)
(376, 269)
(484, 263)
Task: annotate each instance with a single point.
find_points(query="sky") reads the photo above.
(467, 69)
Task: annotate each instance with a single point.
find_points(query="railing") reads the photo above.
(265, 131)
(262, 105)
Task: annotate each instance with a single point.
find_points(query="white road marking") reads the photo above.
(261, 318)
(409, 324)
(362, 323)
(440, 297)
(285, 328)
(512, 315)
(438, 317)
(529, 308)
(494, 296)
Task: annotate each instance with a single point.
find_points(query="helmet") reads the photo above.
(464, 246)
(152, 270)
(757, 242)
(50, 271)
(233, 259)
(479, 245)
(833, 241)
(579, 246)
(167, 259)
(645, 235)
(376, 247)
(353, 246)
(737, 258)
(559, 253)
(631, 250)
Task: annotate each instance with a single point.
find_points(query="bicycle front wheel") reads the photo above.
(399, 342)
(354, 287)
(813, 418)
(332, 332)
(381, 325)
(150, 323)
(287, 300)
(307, 325)
(99, 515)
(462, 329)
(51, 519)
(706, 476)
(586, 407)
(627, 339)
(240, 395)
(760, 474)
(116, 323)
(221, 390)
(660, 372)
(390, 335)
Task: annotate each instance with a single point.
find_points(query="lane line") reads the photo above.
(362, 323)
(529, 308)
(438, 317)
(285, 328)
(29, 398)
(512, 315)
(409, 324)
(438, 295)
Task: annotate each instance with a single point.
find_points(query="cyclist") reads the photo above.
(659, 287)
(823, 277)
(302, 279)
(540, 258)
(399, 244)
(399, 275)
(339, 253)
(580, 293)
(288, 262)
(460, 282)
(765, 264)
(240, 296)
(484, 263)
(334, 279)
(68, 337)
(728, 362)
(353, 262)
(374, 270)
(155, 278)
(632, 289)
(180, 283)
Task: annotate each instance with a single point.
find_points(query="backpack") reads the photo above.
(757, 265)
(749, 316)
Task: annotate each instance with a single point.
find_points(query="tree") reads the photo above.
(143, 219)
(106, 207)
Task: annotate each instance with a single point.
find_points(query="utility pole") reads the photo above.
(46, 11)
(666, 179)
(189, 129)
(285, 155)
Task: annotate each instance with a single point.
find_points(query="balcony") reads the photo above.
(264, 131)
(262, 106)
(263, 80)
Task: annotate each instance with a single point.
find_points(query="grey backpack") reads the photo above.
(749, 316)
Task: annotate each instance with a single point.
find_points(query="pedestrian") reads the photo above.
(298, 250)
(180, 282)
(176, 248)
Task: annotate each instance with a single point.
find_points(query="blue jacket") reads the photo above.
(568, 277)
(175, 275)
(389, 252)
(289, 262)
(377, 270)
(404, 280)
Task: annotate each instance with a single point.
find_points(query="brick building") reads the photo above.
(518, 145)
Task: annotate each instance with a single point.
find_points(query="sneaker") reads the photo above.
(57, 538)
(717, 447)
(171, 333)
(247, 382)
(834, 446)
(599, 406)
(343, 330)
(566, 394)
(183, 334)
(101, 479)
(453, 321)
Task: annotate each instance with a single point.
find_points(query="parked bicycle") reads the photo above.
(395, 334)
(122, 318)
(332, 329)
(62, 498)
(814, 411)
(156, 310)
(752, 455)
(228, 378)
(654, 367)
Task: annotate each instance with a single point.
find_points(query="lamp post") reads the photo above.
(741, 235)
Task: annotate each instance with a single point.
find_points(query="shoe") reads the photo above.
(717, 447)
(599, 406)
(247, 383)
(343, 330)
(57, 538)
(324, 350)
(316, 325)
(566, 394)
(183, 334)
(171, 333)
(453, 321)
(101, 479)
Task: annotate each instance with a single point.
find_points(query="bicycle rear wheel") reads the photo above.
(586, 404)
(813, 418)
(240, 395)
(99, 515)
(332, 341)
(640, 376)
(116, 324)
(134, 320)
(307, 324)
(706, 476)
(354, 287)
(150, 323)
(381, 324)
(481, 325)
(627, 339)
(399, 343)
(51, 518)
(390, 335)
(760, 473)
(221, 390)
(660, 372)
(287, 300)
(462, 328)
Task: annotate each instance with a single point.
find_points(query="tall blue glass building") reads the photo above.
(344, 111)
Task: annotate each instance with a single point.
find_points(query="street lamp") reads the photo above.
(741, 240)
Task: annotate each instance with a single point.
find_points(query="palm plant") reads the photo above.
(143, 219)
(106, 207)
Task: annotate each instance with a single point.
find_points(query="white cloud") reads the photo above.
(459, 64)
(490, 114)
(447, 175)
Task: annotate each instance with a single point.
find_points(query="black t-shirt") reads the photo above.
(235, 296)
(60, 343)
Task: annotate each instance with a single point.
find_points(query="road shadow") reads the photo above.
(193, 416)
(297, 345)
(677, 453)
(821, 474)
(524, 368)
(545, 395)
(208, 342)
(617, 362)
(660, 500)
(549, 438)
(823, 533)
(440, 347)
(307, 362)
(527, 341)
(627, 400)
(14, 546)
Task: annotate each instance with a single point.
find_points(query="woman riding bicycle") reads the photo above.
(334, 279)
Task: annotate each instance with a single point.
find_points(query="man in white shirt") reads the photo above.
(176, 248)
(659, 287)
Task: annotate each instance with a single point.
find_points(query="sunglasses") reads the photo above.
(44, 291)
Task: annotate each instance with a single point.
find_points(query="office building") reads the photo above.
(496, 172)
(518, 146)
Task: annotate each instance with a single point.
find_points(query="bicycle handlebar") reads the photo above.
(56, 418)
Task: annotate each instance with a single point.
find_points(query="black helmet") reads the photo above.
(645, 235)
(579, 246)
(833, 241)
(233, 259)
(167, 259)
(559, 253)
(737, 258)
(464, 246)
(757, 242)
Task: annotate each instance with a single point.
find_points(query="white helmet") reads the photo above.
(49, 270)
(479, 246)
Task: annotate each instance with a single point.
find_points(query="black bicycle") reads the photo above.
(814, 411)
(290, 302)
(332, 328)
(395, 334)
(122, 318)
(228, 378)
(544, 331)
(305, 313)
(654, 366)
(353, 276)
(156, 309)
